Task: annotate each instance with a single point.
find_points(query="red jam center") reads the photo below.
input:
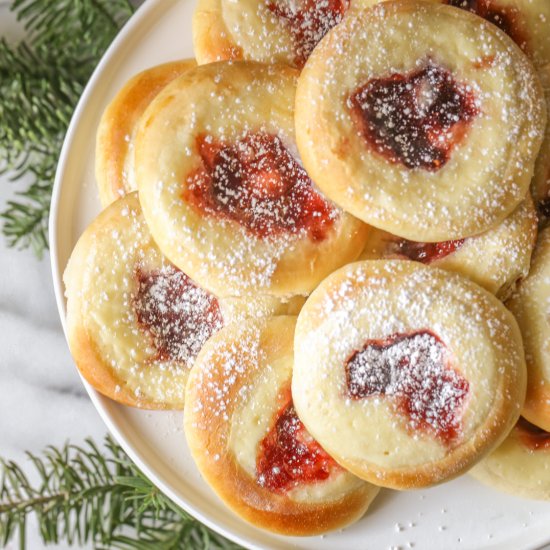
(288, 456)
(415, 119)
(533, 437)
(308, 21)
(259, 184)
(178, 315)
(506, 18)
(412, 369)
(422, 252)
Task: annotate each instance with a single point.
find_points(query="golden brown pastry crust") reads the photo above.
(112, 350)
(487, 172)
(495, 260)
(518, 466)
(247, 363)
(375, 301)
(222, 105)
(118, 285)
(527, 22)
(530, 307)
(116, 131)
(211, 38)
(280, 31)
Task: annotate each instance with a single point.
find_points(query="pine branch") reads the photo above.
(41, 80)
(87, 495)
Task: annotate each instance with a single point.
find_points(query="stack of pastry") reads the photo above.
(308, 236)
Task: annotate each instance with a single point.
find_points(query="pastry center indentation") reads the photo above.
(413, 370)
(259, 184)
(178, 315)
(308, 21)
(288, 456)
(415, 119)
(425, 253)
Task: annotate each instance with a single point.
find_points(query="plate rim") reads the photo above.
(139, 18)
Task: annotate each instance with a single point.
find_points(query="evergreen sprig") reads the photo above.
(89, 495)
(41, 80)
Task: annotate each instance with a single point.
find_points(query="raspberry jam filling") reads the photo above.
(415, 119)
(178, 315)
(412, 369)
(308, 21)
(288, 456)
(533, 437)
(506, 18)
(259, 184)
(425, 253)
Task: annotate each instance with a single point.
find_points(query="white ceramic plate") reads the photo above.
(461, 514)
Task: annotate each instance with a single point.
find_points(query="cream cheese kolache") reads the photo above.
(530, 305)
(114, 168)
(262, 462)
(526, 22)
(432, 136)
(496, 259)
(521, 464)
(135, 323)
(223, 190)
(406, 375)
(263, 30)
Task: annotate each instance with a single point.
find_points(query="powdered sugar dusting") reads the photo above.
(414, 369)
(178, 315)
(308, 21)
(224, 366)
(288, 456)
(484, 178)
(415, 119)
(259, 184)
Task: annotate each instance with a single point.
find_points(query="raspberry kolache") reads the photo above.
(406, 375)
(222, 188)
(262, 462)
(521, 465)
(263, 30)
(114, 167)
(530, 307)
(495, 260)
(135, 323)
(526, 22)
(432, 136)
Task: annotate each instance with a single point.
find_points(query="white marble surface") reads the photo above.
(42, 400)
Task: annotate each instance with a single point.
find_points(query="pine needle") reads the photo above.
(91, 495)
(41, 80)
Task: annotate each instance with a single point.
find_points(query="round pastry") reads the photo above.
(540, 187)
(262, 462)
(135, 323)
(223, 190)
(495, 260)
(262, 30)
(521, 465)
(526, 22)
(114, 166)
(432, 136)
(406, 375)
(531, 307)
